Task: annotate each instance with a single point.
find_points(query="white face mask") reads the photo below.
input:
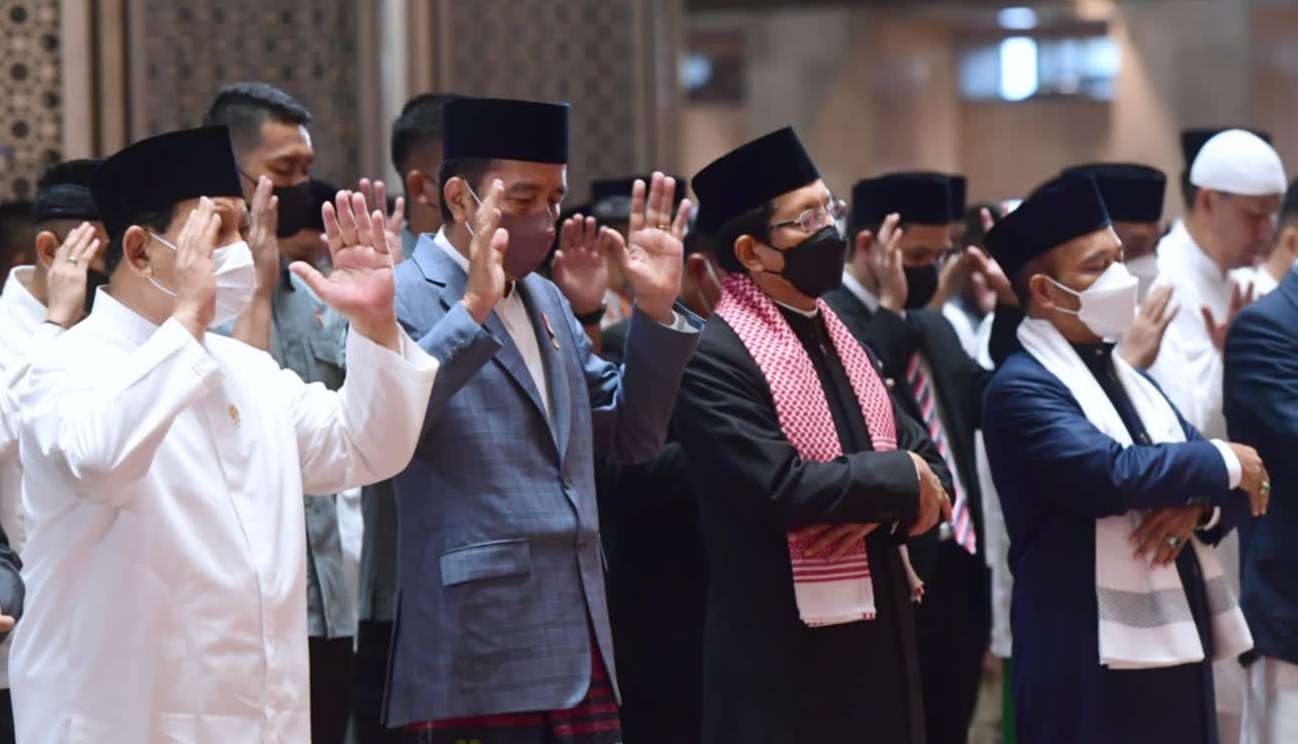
(236, 280)
(1109, 305)
(1145, 269)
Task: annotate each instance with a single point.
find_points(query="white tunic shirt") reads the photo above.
(1189, 366)
(23, 331)
(163, 483)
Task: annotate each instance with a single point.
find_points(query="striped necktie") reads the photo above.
(921, 386)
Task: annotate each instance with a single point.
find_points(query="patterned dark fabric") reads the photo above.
(593, 721)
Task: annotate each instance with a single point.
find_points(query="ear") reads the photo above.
(415, 187)
(694, 267)
(134, 254)
(457, 198)
(1039, 292)
(746, 253)
(47, 243)
(862, 246)
(1205, 200)
(1289, 240)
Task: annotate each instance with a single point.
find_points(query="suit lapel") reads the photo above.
(547, 321)
(438, 268)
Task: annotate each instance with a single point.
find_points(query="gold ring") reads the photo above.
(664, 226)
(1266, 487)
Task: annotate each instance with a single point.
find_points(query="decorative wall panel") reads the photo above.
(30, 101)
(188, 49)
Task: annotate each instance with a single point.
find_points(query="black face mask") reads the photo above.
(815, 266)
(921, 285)
(296, 204)
(94, 280)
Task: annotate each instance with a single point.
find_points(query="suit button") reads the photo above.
(581, 543)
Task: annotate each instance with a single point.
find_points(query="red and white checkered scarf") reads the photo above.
(828, 592)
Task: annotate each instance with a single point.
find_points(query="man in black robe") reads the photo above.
(901, 232)
(768, 676)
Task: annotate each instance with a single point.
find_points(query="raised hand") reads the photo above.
(195, 283)
(487, 281)
(652, 258)
(66, 278)
(1141, 342)
(360, 287)
(262, 242)
(580, 269)
(1240, 298)
(883, 261)
(376, 194)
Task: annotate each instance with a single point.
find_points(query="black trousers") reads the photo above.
(953, 626)
(331, 689)
(373, 648)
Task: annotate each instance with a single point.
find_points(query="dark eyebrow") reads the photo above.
(524, 188)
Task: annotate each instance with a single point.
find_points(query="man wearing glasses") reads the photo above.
(809, 477)
(887, 301)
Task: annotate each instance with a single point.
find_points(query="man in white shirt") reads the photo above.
(163, 466)
(1239, 182)
(38, 303)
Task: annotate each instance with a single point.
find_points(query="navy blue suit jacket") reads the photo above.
(1057, 474)
(1261, 403)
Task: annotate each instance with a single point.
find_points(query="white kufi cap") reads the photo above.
(1239, 162)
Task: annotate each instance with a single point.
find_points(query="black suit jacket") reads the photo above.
(958, 380)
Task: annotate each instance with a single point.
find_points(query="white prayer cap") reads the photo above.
(1239, 162)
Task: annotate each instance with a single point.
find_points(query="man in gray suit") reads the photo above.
(502, 630)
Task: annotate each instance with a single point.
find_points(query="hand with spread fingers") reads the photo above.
(66, 279)
(1164, 533)
(882, 254)
(1141, 343)
(360, 287)
(1240, 298)
(580, 269)
(376, 195)
(652, 259)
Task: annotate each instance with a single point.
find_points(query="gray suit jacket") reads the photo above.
(499, 570)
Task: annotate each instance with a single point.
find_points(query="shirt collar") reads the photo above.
(859, 291)
(443, 242)
(120, 318)
(18, 301)
(813, 312)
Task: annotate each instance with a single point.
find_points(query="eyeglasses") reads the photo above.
(815, 218)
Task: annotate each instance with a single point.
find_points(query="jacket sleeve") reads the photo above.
(1039, 441)
(366, 431)
(631, 405)
(459, 344)
(728, 426)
